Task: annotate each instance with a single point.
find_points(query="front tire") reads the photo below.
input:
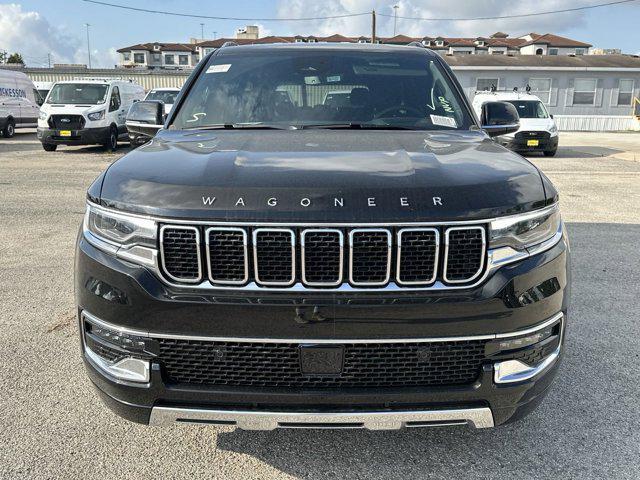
(49, 147)
(550, 153)
(112, 142)
(10, 129)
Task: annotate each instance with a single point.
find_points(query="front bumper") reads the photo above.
(520, 144)
(86, 136)
(514, 298)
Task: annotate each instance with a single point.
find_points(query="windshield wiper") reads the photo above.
(363, 126)
(243, 126)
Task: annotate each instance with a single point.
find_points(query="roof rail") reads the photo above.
(229, 44)
(416, 44)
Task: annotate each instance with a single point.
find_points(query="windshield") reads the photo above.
(287, 88)
(530, 108)
(166, 96)
(78, 93)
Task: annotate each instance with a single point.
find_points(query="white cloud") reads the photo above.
(31, 35)
(553, 23)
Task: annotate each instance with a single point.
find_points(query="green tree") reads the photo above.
(15, 58)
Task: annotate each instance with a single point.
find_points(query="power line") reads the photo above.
(501, 17)
(178, 14)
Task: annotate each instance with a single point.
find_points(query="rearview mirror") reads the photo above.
(499, 118)
(145, 117)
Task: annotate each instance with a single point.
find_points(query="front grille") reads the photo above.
(532, 135)
(278, 364)
(66, 122)
(323, 257)
(181, 253)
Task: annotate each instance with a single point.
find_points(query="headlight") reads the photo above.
(553, 129)
(96, 115)
(526, 230)
(42, 115)
(126, 236)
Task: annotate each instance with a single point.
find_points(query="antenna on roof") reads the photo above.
(229, 44)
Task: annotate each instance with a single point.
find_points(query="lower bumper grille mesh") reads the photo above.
(278, 364)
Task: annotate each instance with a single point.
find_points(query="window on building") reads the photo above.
(439, 43)
(486, 84)
(138, 58)
(183, 59)
(579, 51)
(553, 51)
(541, 88)
(169, 60)
(126, 56)
(625, 92)
(497, 52)
(584, 91)
(539, 51)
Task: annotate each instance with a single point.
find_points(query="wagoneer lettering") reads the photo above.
(285, 259)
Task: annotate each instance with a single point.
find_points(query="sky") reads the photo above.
(39, 28)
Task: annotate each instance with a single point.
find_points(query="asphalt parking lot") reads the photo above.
(53, 426)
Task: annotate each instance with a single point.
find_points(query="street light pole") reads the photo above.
(88, 46)
(395, 18)
(202, 31)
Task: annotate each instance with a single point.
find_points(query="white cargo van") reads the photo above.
(43, 88)
(19, 102)
(86, 112)
(538, 131)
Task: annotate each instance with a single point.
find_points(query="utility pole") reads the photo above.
(373, 26)
(215, 35)
(49, 59)
(88, 46)
(395, 18)
(202, 31)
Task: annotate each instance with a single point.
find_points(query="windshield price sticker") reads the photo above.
(219, 68)
(443, 121)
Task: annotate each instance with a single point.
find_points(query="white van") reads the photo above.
(19, 102)
(43, 88)
(86, 112)
(538, 130)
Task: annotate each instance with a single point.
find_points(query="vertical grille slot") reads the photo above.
(322, 257)
(180, 253)
(227, 258)
(417, 262)
(369, 256)
(274, 256)
(464, 254)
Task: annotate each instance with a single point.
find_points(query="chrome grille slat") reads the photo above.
(417, 256)
(274, 256)
(227, 255)
(468, 245)
(180, 253)
(322, 254)
(369, 256)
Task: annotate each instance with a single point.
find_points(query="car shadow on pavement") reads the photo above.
(582, 428)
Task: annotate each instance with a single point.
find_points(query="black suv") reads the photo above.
(322, 236)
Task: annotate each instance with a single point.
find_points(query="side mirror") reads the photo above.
(551, 116)
(145, 117)
(499, 118)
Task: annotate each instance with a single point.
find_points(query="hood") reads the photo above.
(79, 109)
(322, 176)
